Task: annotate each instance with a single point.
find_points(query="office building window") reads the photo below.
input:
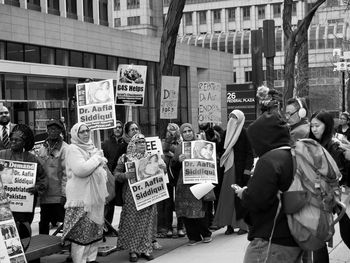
(89, 60)
(294, 9)
(248, 76)
(151, 4)
(132, 4)
(217, 16)
(246, 42)
(76, 59)
(14, 51)
(47, 55)
(62, 57)
(133, 20)
(276, 10)
(151, 22)
(71, 8)
(12, 2)
(261, 11)
(31, 53)
(238, 48)
(231, 14)
(188, 19)
(202, 17)
(34, 5)
(117, 22)
(88, 15)
(53, 7)
(103, 12)
(234, 77)
(246, 12)
(101, 62)
(116, 5)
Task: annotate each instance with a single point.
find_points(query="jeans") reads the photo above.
(257, 253)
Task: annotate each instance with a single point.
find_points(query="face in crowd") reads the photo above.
(141, 145)
(133, 130)
(53, 132)
(17, 142)
(118, 130)
(4, 115)
(187, 134)
(84, 133)
(343, 120)
(291, 114)
(317, 128)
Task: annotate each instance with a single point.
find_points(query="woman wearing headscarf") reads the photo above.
(186, 204)
(21, 142)
(86, 193)
(130, 129)
(238, 162)
(136, 228)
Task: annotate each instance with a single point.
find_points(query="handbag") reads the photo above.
(110, 185)
(210, 196)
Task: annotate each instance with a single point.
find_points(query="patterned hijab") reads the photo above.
(131, 152)
(86, 146)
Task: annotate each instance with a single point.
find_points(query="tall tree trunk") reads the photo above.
(167, 52)
(303, 70)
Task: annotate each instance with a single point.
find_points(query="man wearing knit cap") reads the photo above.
(52, 156)
(270, 139)
(6, 127)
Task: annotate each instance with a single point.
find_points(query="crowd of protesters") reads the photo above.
(63, 168)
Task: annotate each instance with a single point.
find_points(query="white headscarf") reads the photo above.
(234, 128)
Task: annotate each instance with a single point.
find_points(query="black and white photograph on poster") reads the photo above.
(18, 259)
(5, 211)
(204, 150)
(8, 231)
(131, 168)
(99, 92)
(13, 246)
(148, 167)
(131, 85)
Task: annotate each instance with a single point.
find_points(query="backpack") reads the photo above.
(313, 195)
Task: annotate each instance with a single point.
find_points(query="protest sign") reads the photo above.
(11, 249)
(154, 145)
(209, 102)
(200, 163)
(169, 97)
(149, 187)
(95, 102)
(131, 85)
(17, 177)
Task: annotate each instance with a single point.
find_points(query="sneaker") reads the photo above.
(180, 233)
(156, 245)
(207, 239)
(193, 242)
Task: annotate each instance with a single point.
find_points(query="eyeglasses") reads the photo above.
(288, 114)
(84, 131)
(140, 142)
(4, 113)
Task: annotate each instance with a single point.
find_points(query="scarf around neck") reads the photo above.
(86, 146)
(131, 152)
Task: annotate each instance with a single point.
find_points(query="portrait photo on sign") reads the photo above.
(203, 150)
(131, 168)
(18, 259)
(149, 166)
(99, 92)
(8, 231)
(7, 176)
(13, 247)
(130, 75)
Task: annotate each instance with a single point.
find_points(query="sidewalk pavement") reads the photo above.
(222, 249)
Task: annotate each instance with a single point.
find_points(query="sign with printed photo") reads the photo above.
(209, 102)
(95, 102)
(17, 177)
(169, 97)
(131, 85)
(148, 187)
(200, 163)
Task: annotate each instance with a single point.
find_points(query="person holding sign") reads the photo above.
(136, 228)
(86, 193)
(21, 142)
(186, 204)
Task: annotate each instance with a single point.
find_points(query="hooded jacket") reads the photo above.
(273, 173)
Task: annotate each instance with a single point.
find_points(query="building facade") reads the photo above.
(45, 53)
(226, 26)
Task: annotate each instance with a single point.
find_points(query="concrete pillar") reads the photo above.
(224, 20)
(110, 7)
(268, 12)
(253, 16)
(23, 4)
(80, 10)
(43, 5)
(238, 18)
(209, 22)
(195, 23)
(63, 8)
(96, 12)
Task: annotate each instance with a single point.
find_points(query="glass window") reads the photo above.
(217, 16)
(101, 62)
(188, 19)
(34, 5)
(12, 2)
(75, 59)
(279, 40)
(14, 51)
(321, 36)
(246, 45)
(71, 8)
(248, 76)
(14, 87)
(230, 43)
(202, 17)
(238, 48)
(261, 11)
(132, 4)
(62, 57)
(117, 22)
(88, 15)
(340, 28)
(116, 5)
(53, 7)
(42, 88)
(2, 49)
(47, 55)
(31, 53)
(214, 42)
(330, 43)
(231, 13)
(89, 60)
(276, 10)
(312, 38)
(246, 12)
(133, 20)
(112, 63)
(103, 12)
(151, 4)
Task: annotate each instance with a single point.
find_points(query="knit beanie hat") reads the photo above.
(268, 132)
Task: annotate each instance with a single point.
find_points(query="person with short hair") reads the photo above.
(344, 127)
(6, 127)
(52, 155)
